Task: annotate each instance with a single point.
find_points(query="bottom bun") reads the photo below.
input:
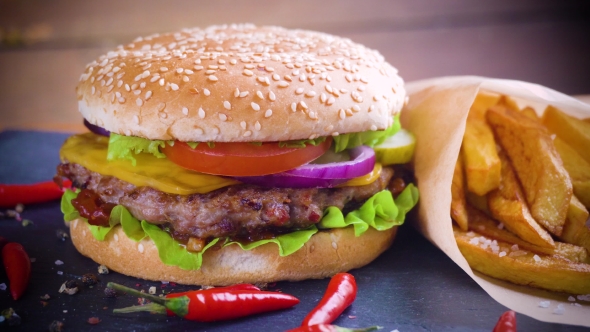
(325, 254)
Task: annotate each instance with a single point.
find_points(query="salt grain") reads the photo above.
(560, 310)
(544, 304)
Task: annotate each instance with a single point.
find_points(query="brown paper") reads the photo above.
(436, 114)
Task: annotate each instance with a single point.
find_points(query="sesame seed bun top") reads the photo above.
(240, 83)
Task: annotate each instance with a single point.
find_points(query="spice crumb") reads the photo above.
(93, 320)
(45, 297)
(109, 292)
(60, 272)
(58, 262)
(89, 279)
(3, 286)
(56, 326)
(103, 269)
(69, 287)
(152, 290)
(33, 259)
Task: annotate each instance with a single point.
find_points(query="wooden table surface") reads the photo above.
(44, 45)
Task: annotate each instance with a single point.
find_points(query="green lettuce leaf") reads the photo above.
(370, 138)
(124, 147)
(287, 243)
(172, 252)
(302, 142)
(380, 211)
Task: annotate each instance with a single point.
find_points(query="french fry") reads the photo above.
(575, 230)
(479, 202)
(545, 182)
(575, 132)
(482, 165)
(578, 169)
(482, 102)
(508, 103)
(521, 266)
(458, 212)
(530, 112)
(482, 224)
(507, 205)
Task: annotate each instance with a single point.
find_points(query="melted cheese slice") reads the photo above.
(90, 151)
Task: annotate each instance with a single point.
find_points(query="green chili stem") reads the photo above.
(137, 293)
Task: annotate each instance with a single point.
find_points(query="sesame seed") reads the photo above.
(109, 81)
(268, 113)
(237, 93)
(243, 124)
(93, 89)
(341, 114)
(348, 111)
(140, 248)
(330, 101)
(299, 91)
(323, 97)
(257, 125)
(283, 84)
(227, 105)
(136, 119)
(259, 94)
(329, 128)
(185, 78)
(247, 72)
(206, 92)
(179, 70)
(373, 127)
(371, 108)
(188, 72)
(161, 107)
(148, 95)
(329, 88)
(276, 77)
(260, 79)
(121, 100)
(233, 61)
(163, 69)
(303, 104)
(222, 117)
(271, 96)
(247, 133)
(364, 80)
(154, 78)
(201, 113)
(118, 94)
(361, 88)
(174, 86)
(161, 82)
(356, 108)
(255, 106)
(288, 78)
(197, 68)
(310, 94)
(110, 88)
(212, 78)
(142, 85)
(244, 94)
(294, 107)
(348, 77)
(139, 102)
(210, 72)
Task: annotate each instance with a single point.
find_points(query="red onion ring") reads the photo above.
(96, 129)
(319, 175)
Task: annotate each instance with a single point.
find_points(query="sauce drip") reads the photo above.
(91, 207)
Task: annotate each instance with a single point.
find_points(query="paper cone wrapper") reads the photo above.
(436, 113)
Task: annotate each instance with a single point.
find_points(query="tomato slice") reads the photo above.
(243, 159)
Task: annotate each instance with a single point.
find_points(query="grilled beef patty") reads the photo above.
(239, 211)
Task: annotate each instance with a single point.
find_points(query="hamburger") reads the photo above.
(237, 154)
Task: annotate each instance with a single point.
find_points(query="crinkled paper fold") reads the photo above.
(436, 114)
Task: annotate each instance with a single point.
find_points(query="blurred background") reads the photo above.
(45, 44)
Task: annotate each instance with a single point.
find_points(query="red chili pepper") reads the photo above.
(13, 194)
(18, 268)
(506, 323)
(233, 287)
(331, 328)
(211, 304)
(340, 294)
